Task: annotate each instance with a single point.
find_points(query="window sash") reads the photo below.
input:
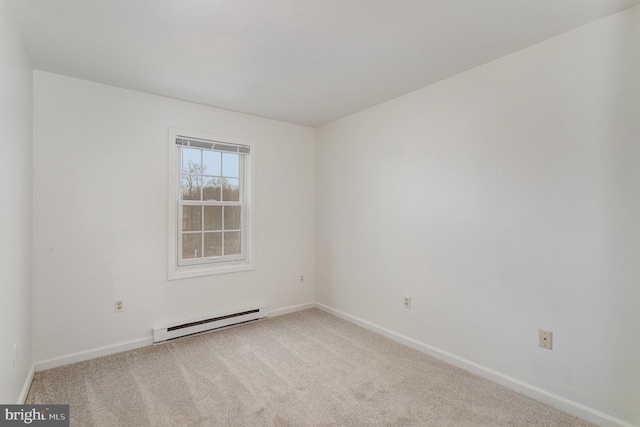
(239, 257)
(222, 147)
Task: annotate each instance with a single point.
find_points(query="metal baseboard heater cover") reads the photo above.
(171, 332)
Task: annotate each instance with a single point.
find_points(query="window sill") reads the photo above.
(187, 272)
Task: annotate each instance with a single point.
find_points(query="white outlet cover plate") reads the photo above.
(118, 306)
(407, 301)
(546, 339)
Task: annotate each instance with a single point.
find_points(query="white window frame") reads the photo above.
(181, 269)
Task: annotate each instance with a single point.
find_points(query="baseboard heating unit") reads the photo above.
(167, 333)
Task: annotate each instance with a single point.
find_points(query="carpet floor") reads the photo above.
(303, 369)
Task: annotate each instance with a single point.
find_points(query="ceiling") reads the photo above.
(300, 61)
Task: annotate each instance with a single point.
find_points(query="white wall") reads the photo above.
(15, 210)
(100, 216)
(503, 200)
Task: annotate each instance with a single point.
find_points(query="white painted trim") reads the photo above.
(27, 385)
(291, 309)
(248, 263)
(574, 408)
(81, 356)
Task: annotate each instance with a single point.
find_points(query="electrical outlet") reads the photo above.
(407, 301)
(301, 278)
(546, 339)
(118, 306)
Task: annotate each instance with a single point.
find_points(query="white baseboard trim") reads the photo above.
(551, 399)
(27, 385)
(81, 356)
(291, 309)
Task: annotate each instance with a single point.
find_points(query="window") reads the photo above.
(210, 212)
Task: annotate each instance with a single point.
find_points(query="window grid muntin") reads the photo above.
(222, 231)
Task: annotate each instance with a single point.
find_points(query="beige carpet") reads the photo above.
(304, 369)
